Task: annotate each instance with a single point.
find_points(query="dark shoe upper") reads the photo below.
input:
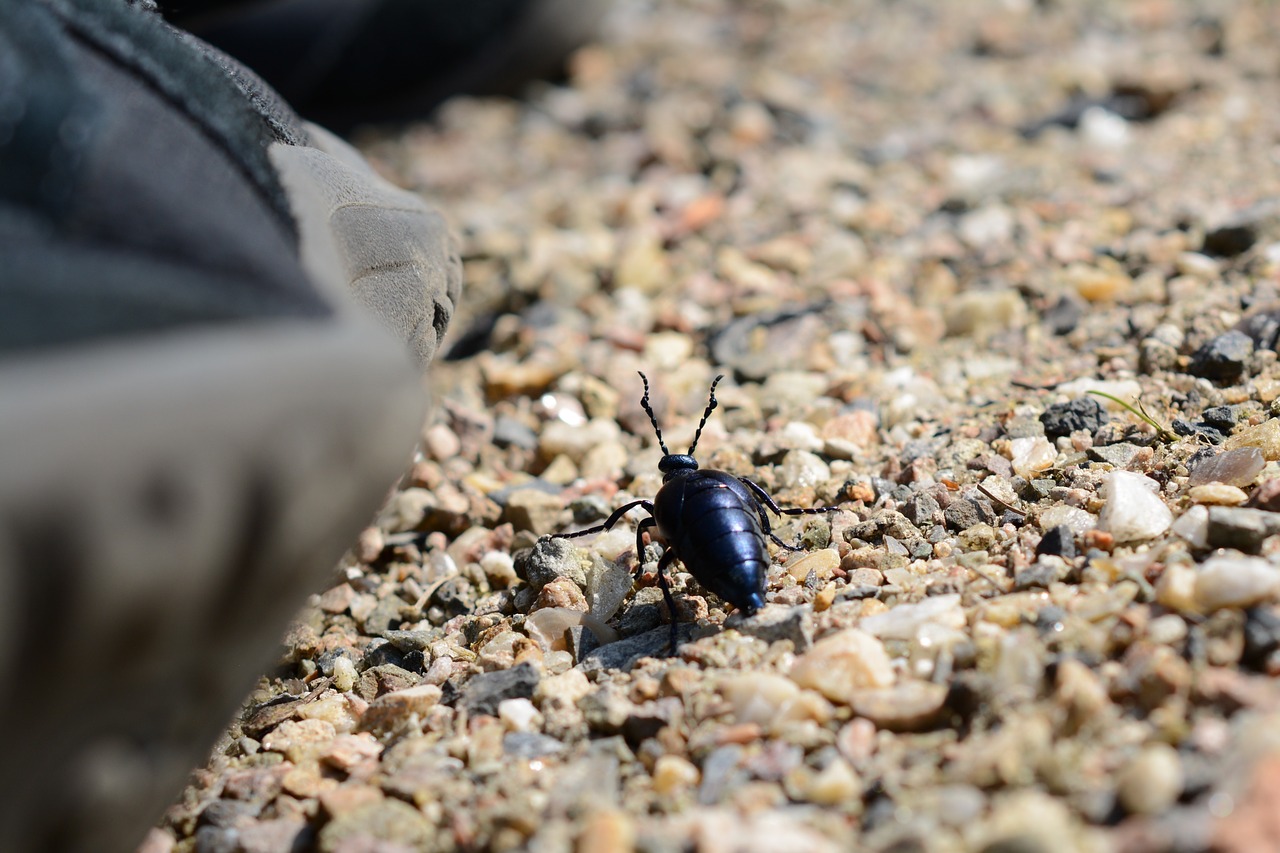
(136, 191)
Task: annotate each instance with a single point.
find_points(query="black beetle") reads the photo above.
(713, 522)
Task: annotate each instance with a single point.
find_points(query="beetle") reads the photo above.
(713, 522)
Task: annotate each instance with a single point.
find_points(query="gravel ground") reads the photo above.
(915, 237)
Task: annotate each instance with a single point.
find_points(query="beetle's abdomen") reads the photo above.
(713, 524)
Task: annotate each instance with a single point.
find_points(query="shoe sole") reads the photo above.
(165, 506)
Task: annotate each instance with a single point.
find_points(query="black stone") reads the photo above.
(1208, 433)
(1083, 413)
(1224, 358)
(1229, 240)
(1058, 541)
(1064, 316)
(1261, 636)
(1241, 528)
(1222, 418)
(482, 693)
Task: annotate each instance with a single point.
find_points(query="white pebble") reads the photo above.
(1152, 781)
(519, 715)
(905, 621)
(1193, 526)
(1237, 581)
(344, 674)
(1031, 454)
(1133, 512)
(841, 664)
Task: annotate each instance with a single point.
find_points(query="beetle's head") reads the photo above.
(676, 464)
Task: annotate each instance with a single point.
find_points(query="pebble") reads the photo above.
(608, 831)
(1222, 359)
(393, 822)
(1217, 494)
(388, 711)
(1075, 519)
(775, 622)
(821, 562)
(1133, 511)
(1230, 581)
(673, 773)
(519, 715)
(1151, 781)
(533, 510)
(906, 621)
(802, 469)
(909, 706)
(1031, 454)
(483, 693)
(550, 559)
(1265, 436)
(843, 663)
(1193, 526)
(1241, 528)
(833, 785)
(1082, 413)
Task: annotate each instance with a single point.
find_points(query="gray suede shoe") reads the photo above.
(205, 391)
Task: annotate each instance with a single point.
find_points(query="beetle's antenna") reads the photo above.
(644, 402)
(711, 406)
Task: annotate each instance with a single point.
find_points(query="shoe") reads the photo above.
(205, 392)
(346, 62)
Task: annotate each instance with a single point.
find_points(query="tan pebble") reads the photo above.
(333, 709)
(906, 707)
(337, 599)
(306, 782)
(1176, 587)
(1217, 494)
(643, 265)
(825, 598)
(822, 563)
(561, 470)
(499, 652)
(567, 687)
(608, 831)
(299, 740)
(834, 785)
(348, 750)
(389, 709)
(1095, 284)
(562, 593)
(1151, 782)
(349, 797)
(547, 626)
(533, 510)
(839, 665)
(1265, 436)
(758, 697)
(369, 544)
(856, 740)
(441, 443)
(739, 733)
(845, 436)
(672, 773)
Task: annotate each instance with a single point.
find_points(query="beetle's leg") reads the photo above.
(640, 529)
(764, 499)
(668, 557)
(609, 522)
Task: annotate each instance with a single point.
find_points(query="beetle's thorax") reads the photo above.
(675, 465)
